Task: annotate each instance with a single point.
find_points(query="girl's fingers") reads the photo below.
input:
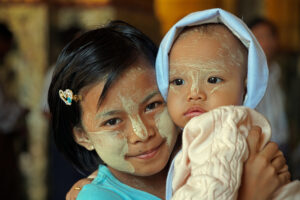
(74, 191)
(253, 140)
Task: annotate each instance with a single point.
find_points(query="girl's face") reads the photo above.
(131, 130)
(205, 72)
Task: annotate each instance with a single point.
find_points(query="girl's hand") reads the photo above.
(265, 171)
(75, 189)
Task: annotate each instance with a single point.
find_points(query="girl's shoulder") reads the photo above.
(96, 192)
(106, 187)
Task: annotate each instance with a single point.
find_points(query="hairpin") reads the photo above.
(67, 96)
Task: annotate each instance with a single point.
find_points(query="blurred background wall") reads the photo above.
(36, 25)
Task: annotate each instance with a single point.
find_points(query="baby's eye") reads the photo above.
(214, 80)
(152, 106)
(112, 122)
(177, 81)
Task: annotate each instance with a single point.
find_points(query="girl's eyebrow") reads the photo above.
(113, 112)
(108, 113)
(148, 97)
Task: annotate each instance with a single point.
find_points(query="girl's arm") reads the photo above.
(264, 171)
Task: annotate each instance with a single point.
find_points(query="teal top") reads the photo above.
(106, 187)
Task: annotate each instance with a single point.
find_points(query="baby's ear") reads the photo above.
(82, 138)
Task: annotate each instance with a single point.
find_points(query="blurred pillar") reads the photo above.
(170, 11)
(286, 15)
(29, 24)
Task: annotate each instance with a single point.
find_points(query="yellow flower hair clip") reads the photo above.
(67, 96)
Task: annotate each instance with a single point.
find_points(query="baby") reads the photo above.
(208, 62)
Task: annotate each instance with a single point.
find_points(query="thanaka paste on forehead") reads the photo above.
(108, 141)
(131, 108)
(205, 65)
(214, 33)
(134, 72)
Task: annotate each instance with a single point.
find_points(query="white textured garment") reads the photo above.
(214, 149)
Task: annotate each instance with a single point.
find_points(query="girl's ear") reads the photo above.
(82, 138)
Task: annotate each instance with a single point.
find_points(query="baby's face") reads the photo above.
(206, 71)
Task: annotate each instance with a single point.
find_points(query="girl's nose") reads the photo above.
(139, 132)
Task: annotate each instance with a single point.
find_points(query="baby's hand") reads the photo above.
(75, 189)
(265, 171)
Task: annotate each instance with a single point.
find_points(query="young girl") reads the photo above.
(203, 63)
(101, 119)
(108, 114)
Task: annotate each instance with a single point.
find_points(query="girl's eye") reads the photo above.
(214, 80)
(178, 81)
(112, 122)
(152, 106)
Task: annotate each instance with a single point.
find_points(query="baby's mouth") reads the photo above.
(193, 112)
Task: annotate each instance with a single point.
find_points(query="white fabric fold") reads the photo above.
(214, 149)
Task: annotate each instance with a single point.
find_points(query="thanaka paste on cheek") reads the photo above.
(216, 88)
(112, 149)
(166, 127)
(137, 125)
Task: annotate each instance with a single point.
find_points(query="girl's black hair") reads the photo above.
(99, 54)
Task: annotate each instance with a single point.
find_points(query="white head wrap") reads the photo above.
(257, 76)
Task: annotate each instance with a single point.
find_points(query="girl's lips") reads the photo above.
(149, 154)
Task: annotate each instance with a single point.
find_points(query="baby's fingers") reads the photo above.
(253, 140)
(278, 163)
(284, 178)
(269, 151)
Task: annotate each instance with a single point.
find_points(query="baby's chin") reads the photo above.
(181, 124)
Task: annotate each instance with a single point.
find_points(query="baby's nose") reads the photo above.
(196, 94)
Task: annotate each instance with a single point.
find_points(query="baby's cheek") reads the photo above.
(172, 109)
(173, 90)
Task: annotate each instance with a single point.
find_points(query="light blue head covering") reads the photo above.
(257, 76)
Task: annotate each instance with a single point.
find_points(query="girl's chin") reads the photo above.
(150, 170)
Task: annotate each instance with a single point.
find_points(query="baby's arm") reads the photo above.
(75, 189)
(264, 171)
